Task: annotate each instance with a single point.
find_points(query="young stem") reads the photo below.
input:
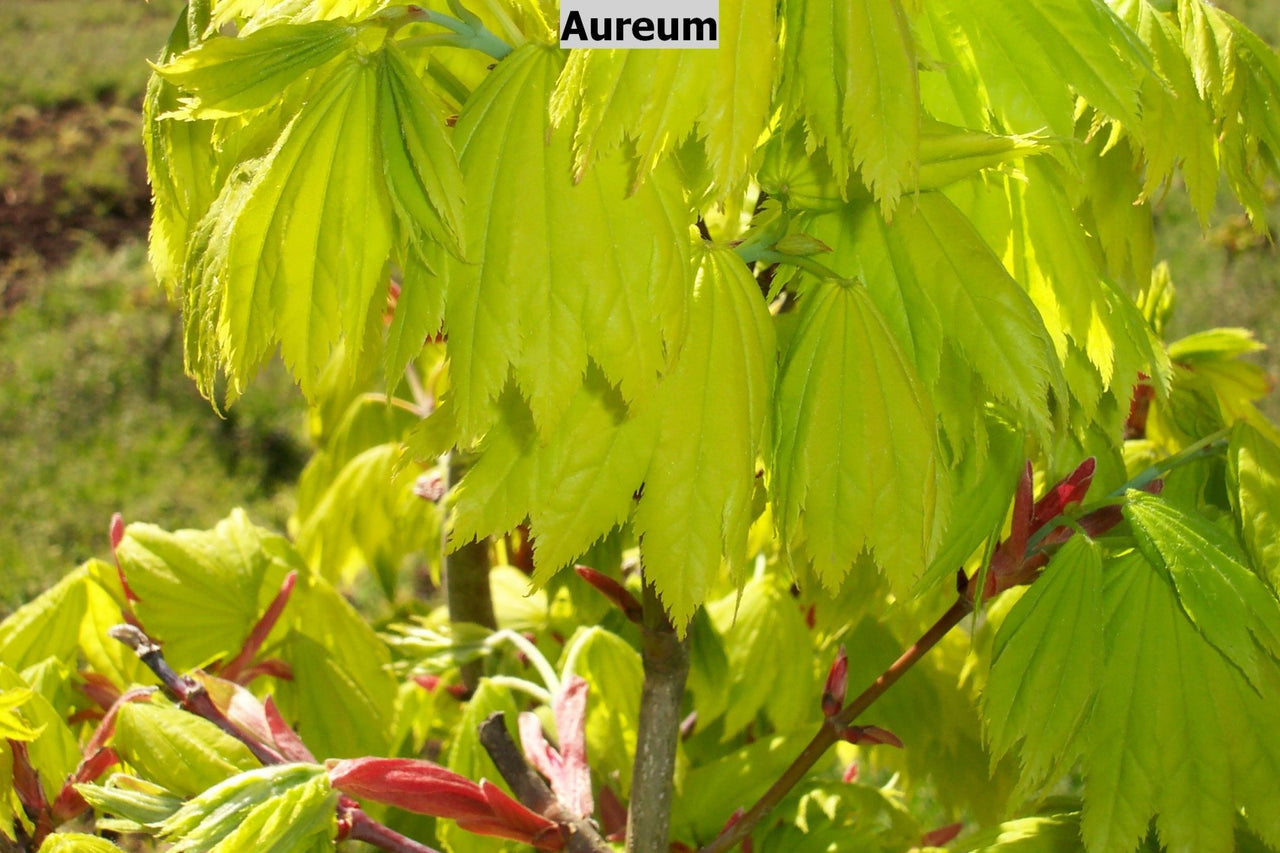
(829, 734)
(368, 830)
(194, 699)
(530, 789)
(466, 584)
(666, 666)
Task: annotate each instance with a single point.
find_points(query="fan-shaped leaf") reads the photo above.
(1046, 661)
(696, 506)
(658, 98)
(1221, 595)
(555, 272)
(855, 455)
(297, 242)
(1189, 754)
(851, 78)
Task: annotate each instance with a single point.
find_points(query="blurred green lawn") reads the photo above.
(96, 415)
(60, 50)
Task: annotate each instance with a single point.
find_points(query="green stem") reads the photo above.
(771, 256)
(470, 33)
(199, 13)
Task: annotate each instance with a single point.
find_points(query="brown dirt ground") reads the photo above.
(70, 175)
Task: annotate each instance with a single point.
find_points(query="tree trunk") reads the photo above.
(466, 584)
(666, 665)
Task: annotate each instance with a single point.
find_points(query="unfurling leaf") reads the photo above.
(427, 788)
(566, 768)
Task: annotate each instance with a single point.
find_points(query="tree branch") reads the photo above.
(530, 789)
(833, 726)
(666, 666)
(196, 700)
(189, 694)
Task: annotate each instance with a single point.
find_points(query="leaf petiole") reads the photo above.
(469, 33)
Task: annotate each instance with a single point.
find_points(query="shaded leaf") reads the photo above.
(1046, 662)
(764, 632)
(1254, 468)
(1189, 755)
(1230, 606)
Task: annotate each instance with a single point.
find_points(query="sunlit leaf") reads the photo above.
(855, 457)
(275, 808)
(660, 98)
(201, 591)
(696, 507)
(556, 273)
(48, 626)
(297, 241)
(228, 75)
(575, 485)
(423, 179)
(1047, 658)
(179, 751)
(852, 81)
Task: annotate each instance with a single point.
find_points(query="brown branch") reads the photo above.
(189, 694)
(530, 789)
(196, 700)
(666, 666)
(832, 728)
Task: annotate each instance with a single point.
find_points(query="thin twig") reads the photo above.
(829, 734)
(189, 694)
(196, 700)
(368, 830)
(530, 789)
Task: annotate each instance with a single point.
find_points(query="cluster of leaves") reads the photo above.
(782, 323)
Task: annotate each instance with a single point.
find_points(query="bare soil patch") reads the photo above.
(70, 175)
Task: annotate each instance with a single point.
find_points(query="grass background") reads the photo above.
(95, 413)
